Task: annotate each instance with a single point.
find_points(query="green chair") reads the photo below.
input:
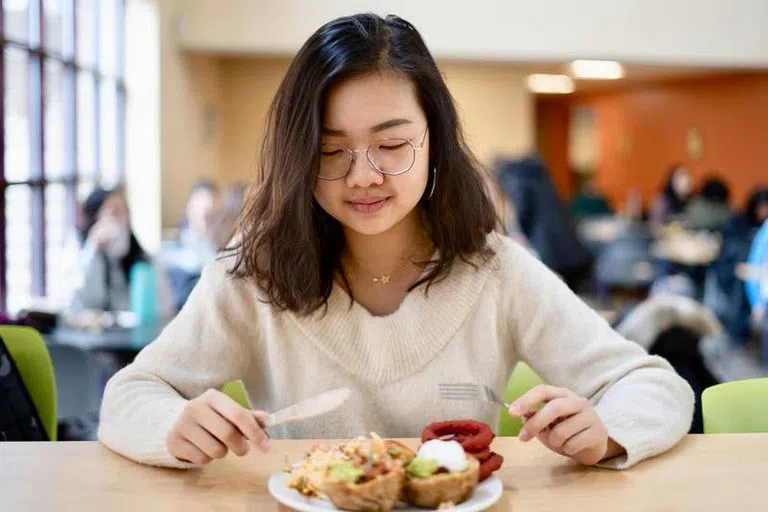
(236, 391)
(736, 407)
(30, 354)
(522, 380)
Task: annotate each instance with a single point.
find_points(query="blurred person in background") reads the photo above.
(228, 214)
(543, 219)
(197, 244)
(108, 251)
(709, 210)
(589, 202)
(506, 211)
(671, 203)
(725, 293)
(197, 241)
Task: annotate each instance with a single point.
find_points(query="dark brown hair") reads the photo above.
(293, 249)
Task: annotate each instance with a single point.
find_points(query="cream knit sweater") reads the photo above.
(473, 326)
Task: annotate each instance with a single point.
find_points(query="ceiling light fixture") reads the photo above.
(597, 69)
(550, 84)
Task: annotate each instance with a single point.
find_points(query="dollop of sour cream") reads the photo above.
(448, 454)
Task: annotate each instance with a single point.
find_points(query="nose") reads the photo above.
(362, 174)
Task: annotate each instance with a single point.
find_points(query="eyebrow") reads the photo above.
(376, 129)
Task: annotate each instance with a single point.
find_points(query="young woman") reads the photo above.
(727, 296)
(709, 210)
(368, 259)
(670, 204)
(185, 258)
(108, 250)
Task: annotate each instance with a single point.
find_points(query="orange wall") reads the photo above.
(552, 141)
(642, 130)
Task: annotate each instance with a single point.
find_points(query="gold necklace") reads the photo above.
(387, 278)
(384, 279)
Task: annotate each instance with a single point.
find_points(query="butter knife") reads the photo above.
(309, 407)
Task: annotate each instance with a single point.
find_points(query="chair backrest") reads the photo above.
(236, 391)
(736, 407)
(30, 354)
(522, 380)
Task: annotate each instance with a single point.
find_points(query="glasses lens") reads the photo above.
(392, 156)
(334, 162)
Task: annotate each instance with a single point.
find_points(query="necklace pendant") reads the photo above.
(385, 279)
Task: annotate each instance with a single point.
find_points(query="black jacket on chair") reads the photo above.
(542, 217)
(19, 420)
(680, 347)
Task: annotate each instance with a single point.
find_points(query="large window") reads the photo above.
(61, 70)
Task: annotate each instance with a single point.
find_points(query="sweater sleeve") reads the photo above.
(204, 347)
(645, 405)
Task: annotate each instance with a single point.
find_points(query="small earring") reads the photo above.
(434, 181)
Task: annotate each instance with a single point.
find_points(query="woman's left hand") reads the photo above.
(567, 424)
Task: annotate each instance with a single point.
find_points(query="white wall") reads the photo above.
(496, 109)
(702, 32)
(142, 61)
(190, 91)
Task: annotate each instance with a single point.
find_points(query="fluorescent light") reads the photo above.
(597, 69)
(550, 84)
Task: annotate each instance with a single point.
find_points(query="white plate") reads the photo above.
(484, 496)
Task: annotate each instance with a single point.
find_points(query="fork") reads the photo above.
(470, 392)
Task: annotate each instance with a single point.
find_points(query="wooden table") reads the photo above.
(704, 473)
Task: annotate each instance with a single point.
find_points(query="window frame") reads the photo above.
(38, 55)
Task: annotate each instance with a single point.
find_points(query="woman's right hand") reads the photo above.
(211, 425)
(101, 234)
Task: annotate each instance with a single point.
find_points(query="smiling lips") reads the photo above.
(368, 204)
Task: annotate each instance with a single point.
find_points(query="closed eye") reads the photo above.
(393, 146)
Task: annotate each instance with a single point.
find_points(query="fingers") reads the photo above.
(262, 418)
(565, 430)
(587, 447)
(567, 423)
(205, 442)
(539, 394)
(224, 431)
(211, 425)
(185, 451)
(98, 235)
(240, 417)
(558, 409)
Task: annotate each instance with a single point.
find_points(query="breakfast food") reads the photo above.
(441, 472)
(475, 437)
(375, 474)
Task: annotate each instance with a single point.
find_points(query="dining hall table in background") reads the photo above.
(103, 351)
(703, 473)
(109, 339)
(114, 346)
